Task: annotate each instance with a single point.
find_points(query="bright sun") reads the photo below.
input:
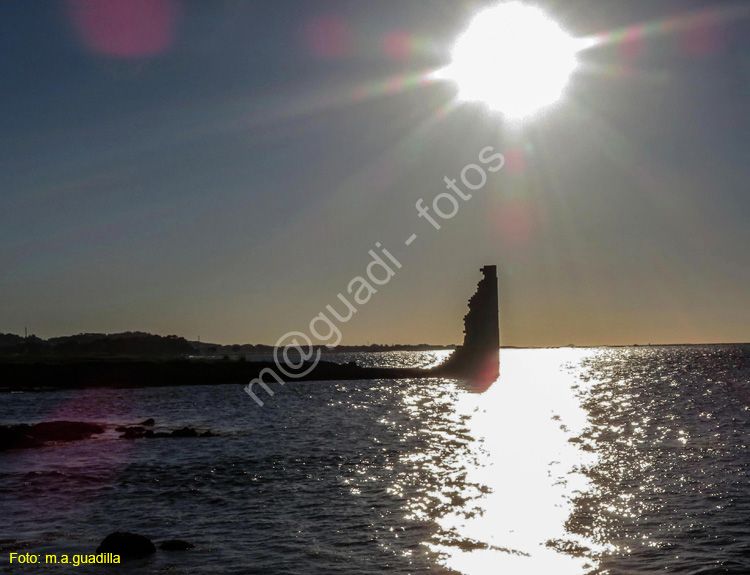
(514, 58)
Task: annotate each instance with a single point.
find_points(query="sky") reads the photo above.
(222, 169)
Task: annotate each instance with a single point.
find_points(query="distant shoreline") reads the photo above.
(139, 344)
(142, 345)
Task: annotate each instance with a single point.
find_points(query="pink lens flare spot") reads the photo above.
(515, 161)
(632, 45)
(329, 37)
(124, 28)
(397, 45)
(514, 220)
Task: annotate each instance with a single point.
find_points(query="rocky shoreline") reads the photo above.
(28, 436)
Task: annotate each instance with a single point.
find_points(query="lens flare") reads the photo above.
(125, 29)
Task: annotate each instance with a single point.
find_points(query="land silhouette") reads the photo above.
(137, 359)
(140, 344)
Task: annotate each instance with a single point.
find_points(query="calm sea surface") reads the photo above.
(575, 461)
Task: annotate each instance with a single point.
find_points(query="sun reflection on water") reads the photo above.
(512, 470)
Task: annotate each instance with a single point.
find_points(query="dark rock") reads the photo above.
(138, 432)
(176, 545)
(185, 432)
(149, 422)
(126, 545)
(134, 432)
(24, 436)
(14, 438)
(64, 430)
(121, 428)
(10, 545)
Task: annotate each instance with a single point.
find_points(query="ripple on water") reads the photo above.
(631, 460)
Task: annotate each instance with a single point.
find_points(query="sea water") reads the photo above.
(607, 460)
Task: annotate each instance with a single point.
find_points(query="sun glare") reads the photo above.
(514, 58)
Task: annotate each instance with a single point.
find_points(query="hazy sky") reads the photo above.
(223, 171)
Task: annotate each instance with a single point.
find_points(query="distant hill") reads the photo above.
(141, 344)
(9, 340)
(137, 344)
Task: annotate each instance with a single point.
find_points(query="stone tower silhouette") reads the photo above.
(479, 356)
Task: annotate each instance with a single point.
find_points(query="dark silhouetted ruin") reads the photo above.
(479, 357)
